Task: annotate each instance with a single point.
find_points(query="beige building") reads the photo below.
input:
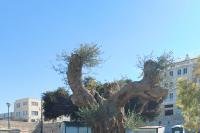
(27, 109)
(170, 114)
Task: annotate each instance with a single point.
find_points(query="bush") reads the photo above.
(133, 120)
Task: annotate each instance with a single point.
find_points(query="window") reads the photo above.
(166, 85)
(17, 105)
(171, 96)
(179, 72)
(171, 73)
(169, 112)
(169, 109)
(25, 113)
(165, 74)
(169, 106)
(160, 122)
(34, 103)
(25, 103)
(17, 114)
(185, 71)
(32, 120)
(34, 113)
(171, 84)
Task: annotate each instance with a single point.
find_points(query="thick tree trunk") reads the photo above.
(112, 116)
(81, 96)
(112, 125)
(111, 119)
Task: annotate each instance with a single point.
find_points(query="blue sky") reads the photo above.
(33, 32)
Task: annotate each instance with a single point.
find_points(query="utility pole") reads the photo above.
(8, 104)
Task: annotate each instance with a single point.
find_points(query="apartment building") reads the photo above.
(170, 114)
(27, 109)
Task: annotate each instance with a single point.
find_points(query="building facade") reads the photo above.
(27, 109)
(170, 114)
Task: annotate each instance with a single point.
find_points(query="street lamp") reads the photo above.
(8, 104)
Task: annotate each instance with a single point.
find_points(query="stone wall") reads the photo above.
(48, 128)
(25, 127)
(31, 127)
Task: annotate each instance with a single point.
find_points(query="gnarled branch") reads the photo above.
(147, 88)
(81, 96)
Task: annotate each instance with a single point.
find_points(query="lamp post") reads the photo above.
(8, 105)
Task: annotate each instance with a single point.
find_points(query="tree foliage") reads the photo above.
(188, 100)
(90, 83)
(89, 54)
(90, 114)
(57, 103)
(196, 70)
(163, 61)
(133, 120)
(149, 113)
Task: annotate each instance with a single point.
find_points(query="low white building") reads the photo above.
(27, 109)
